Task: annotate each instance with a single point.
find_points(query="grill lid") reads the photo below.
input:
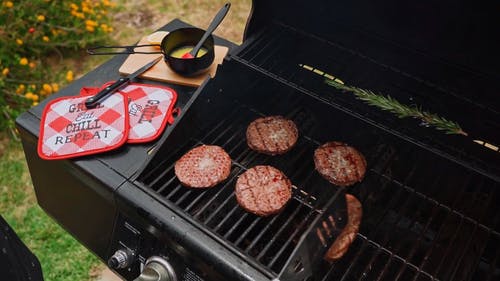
(444, 48)
(459, 32)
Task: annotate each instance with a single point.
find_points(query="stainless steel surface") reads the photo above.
(157, 269)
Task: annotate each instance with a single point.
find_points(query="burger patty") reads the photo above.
(263, 190)
(339, 163)
(203, 166)
(272, 135)
(348, 234)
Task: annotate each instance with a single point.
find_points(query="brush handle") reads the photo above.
(94, 100)
(213, 25)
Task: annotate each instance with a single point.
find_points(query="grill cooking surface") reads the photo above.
(269, 241)
(279, 50)
(424, 217)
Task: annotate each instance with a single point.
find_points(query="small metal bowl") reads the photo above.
(187, 37)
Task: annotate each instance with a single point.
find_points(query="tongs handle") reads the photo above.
(127, 50)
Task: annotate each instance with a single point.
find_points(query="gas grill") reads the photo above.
(430, 200)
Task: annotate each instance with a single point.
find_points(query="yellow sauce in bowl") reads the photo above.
(179, 52)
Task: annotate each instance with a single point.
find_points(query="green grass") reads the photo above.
(61, 256)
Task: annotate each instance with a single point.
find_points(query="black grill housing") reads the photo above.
(424, 193)
(418, 204)
(430, 200)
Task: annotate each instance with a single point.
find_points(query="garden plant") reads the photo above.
(35, 36)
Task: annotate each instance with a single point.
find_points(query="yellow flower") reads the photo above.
(91, 23)
(47, 88)
(73, 6)
(8, 4)
(35, 103)
(55, 87)
(19, 41)
(23, 61)
(87, 10)
(89, 28)
(32, 64)
(108, 3)
(105, 27)
(5, 71)
(33, 86)
(45, 38)
(20, 89)
(69, 76)
(35, 97)
(40, 18)
(28, 95)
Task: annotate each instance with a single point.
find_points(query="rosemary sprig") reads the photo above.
(390, 104)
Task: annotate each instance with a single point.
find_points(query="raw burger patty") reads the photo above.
(203, 166)
(339, 163)
(263, 190)
(272, 135)
(348, 234)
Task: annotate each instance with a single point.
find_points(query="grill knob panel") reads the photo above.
(158, 269)
(120, 259)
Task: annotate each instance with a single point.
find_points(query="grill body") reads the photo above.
(430, 200)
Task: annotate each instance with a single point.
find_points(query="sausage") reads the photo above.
(348, 234)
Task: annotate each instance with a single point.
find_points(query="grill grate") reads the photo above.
(269, 241)
(280, 49)
(425, 216)
(407, 235)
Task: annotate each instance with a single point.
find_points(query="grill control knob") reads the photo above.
(120, 259)
(157, 269)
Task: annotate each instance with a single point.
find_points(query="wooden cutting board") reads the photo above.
(162, 72)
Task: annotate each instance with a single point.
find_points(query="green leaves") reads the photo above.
(390, 104)
(34, 36)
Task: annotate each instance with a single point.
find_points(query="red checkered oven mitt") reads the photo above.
(150, 108)
(68, 129)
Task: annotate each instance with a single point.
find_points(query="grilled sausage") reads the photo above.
(203, 166)
(339, 163)
(263, 190)
(348, 234)
(272, 135)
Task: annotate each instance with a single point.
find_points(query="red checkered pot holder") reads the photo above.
(69, 129)
(150, 109)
